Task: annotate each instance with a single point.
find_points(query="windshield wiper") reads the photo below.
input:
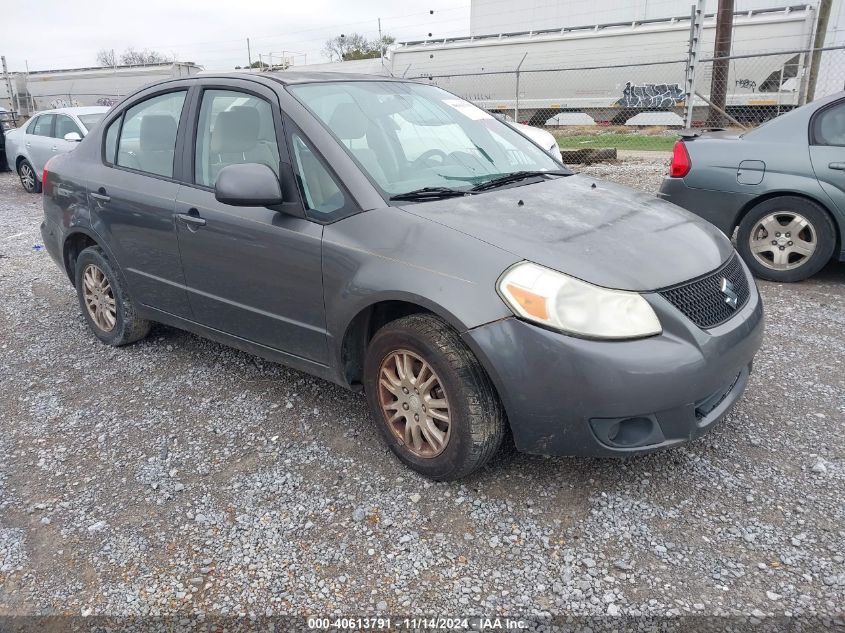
(430, 193)
(506, 179)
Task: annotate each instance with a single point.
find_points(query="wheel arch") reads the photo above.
(77, 240)
(368, 319)
(770, 195)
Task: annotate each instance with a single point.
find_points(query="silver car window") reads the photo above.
(66, 125)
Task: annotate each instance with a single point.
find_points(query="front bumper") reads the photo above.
(721, 208)
(569, 396)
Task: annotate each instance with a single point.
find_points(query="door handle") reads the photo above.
(54, 148)
(100, 197)
(839, 166)
(192, 220)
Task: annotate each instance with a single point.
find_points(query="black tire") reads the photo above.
(477, 420)
(127, 326)
(822, 228)
(29, 179)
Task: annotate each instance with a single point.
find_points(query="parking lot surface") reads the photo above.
(181, 476)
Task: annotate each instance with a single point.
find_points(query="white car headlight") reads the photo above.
(575, 307)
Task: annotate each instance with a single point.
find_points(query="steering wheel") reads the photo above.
(423, 160)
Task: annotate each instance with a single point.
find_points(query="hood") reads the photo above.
(603, 233)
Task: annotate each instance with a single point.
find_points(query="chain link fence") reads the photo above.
(642, 106)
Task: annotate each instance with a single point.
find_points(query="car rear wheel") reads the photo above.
(29, 180)
(110, 313)
(786, 239)
(431, 399)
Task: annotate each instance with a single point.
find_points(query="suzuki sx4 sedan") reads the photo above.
(393, 238)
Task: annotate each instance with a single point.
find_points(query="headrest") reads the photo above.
(348, 121)
(158, 132)
(235, 130)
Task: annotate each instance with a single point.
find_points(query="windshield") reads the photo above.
(90, 120)
(409, 136)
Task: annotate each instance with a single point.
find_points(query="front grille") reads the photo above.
(702, 300)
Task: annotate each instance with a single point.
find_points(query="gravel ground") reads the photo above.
(178, 476)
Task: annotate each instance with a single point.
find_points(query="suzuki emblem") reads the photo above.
(731, 298)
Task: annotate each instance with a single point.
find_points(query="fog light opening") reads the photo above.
(632, 431)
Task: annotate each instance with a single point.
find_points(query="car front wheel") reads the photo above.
(29, 180)
(431, 399)
(786, 239)
(106, 306)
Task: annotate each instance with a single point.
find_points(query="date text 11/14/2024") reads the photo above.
(417, 624)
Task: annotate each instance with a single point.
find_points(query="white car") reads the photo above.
(47, 133)
(542, 138)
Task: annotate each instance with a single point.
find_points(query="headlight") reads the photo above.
(573, 306)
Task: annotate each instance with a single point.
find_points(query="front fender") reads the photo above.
(390, 255)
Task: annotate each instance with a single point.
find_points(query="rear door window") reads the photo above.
(829, 126)
(43, 125)
(148, 137)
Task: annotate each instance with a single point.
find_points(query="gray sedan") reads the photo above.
(781, 185)
(395, 239)
(45, 135)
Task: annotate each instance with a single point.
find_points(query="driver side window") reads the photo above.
(66, 125)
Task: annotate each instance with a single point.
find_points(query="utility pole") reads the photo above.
(818, 43)
(721, 65)
(248, 53)
(8, 81)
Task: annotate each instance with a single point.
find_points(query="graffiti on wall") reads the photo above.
(61, 102)
(107, 101)
(748, 84)
(651, 95)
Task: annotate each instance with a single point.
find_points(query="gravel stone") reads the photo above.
(262, 474)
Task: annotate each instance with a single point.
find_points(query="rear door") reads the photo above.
(254, 272)
(132, 193)
(827, 151)
(39, 141)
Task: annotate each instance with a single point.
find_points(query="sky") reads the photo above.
(212, 33)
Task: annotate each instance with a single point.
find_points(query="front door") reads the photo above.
(132, 194)
(250, 271)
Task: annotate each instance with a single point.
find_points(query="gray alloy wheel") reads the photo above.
(28, 177)
(786, 239)
(783, 240)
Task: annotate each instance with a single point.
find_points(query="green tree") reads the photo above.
(355, 46)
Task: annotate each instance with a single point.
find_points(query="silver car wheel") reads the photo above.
(27, 177)
(783, 240)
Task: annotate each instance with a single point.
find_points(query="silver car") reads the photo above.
(781, 187)
(51, 132)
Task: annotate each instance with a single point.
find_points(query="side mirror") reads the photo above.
(72, 136)
(248, 185)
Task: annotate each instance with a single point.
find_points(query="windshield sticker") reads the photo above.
(467, 109)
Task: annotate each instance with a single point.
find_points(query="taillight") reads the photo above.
(681, 164)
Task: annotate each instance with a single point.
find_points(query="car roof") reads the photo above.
(298, 77)
(76, 110)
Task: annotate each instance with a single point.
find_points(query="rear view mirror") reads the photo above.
(248, 185)
(72, 136)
